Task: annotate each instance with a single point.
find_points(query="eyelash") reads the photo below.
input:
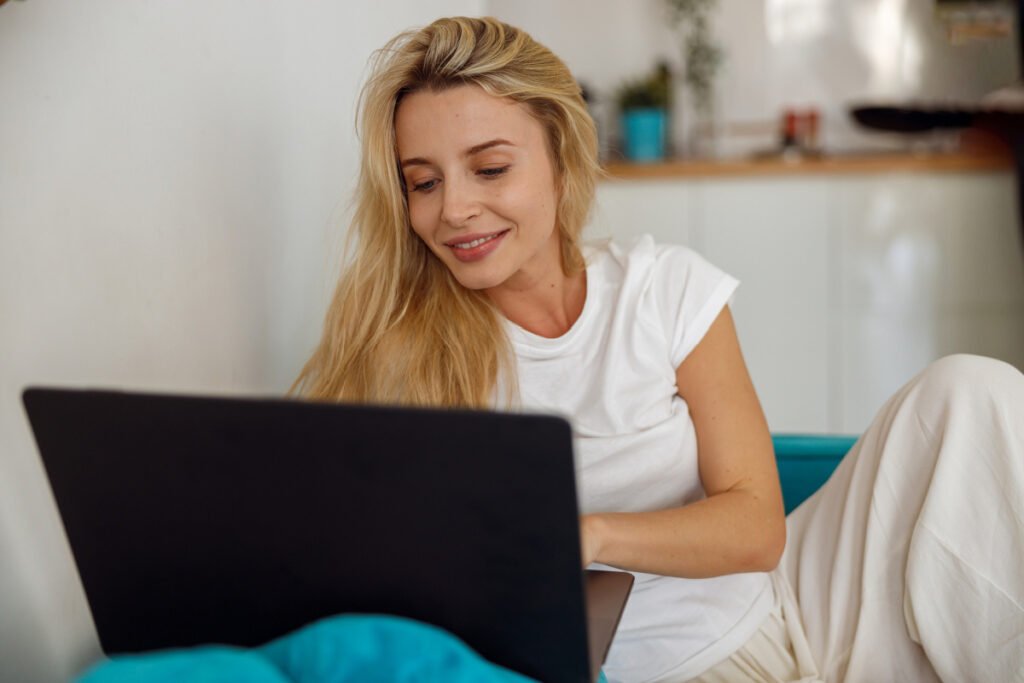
(489, 173)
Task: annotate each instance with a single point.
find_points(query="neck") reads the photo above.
(547, 306)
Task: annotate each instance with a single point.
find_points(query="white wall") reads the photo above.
(826, 53)
(173, 178)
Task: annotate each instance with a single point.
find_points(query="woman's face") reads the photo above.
(480, 186)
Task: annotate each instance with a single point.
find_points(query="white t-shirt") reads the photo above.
(613, 375)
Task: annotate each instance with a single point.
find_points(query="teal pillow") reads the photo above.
(206, 664)
(341, 649)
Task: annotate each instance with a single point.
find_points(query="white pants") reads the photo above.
(908, 564)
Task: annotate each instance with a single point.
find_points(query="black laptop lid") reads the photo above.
(209, 520)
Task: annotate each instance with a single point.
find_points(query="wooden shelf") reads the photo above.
(838, 164)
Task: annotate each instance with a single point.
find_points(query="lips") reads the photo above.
(476, 246)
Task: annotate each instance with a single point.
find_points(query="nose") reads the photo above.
(460, 203)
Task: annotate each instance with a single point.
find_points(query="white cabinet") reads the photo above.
(772, 234)
(663, 208)
(851, 284)
(928, 265)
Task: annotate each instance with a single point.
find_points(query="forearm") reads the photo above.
(731, 532)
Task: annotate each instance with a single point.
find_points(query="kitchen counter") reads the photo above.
(871, 163)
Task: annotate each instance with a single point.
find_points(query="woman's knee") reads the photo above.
(962, 373)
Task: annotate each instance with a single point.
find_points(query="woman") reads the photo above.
(470, 287)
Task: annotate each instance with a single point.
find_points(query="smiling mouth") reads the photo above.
(476, 242)
(472, 248)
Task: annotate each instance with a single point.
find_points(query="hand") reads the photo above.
(590, 541)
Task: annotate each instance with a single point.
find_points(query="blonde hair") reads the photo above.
(401, 328)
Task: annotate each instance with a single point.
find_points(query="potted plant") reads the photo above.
(702, 57)
(643, 104)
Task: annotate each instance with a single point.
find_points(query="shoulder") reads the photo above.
(668, 287)
(642, 260)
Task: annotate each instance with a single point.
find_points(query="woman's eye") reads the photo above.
(493, 172)
(424, 186)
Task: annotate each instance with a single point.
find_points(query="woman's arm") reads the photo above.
(741, 526)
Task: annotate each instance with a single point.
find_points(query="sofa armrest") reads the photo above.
(806, 461)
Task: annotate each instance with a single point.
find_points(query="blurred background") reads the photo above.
(753, 61)
(174, 185)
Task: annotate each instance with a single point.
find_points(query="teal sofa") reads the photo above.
(353, 648)
(806, 462)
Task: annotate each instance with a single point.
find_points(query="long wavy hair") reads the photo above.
(400, 328)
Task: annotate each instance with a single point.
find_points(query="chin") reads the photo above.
(476, 281)
(476, 276)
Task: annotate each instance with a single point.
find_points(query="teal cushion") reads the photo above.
(206, 664)
(806, 461)
(341, 649)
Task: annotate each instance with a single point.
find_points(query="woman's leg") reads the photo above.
(908, 565)
(777, 652)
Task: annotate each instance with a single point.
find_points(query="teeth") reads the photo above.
(475, 243)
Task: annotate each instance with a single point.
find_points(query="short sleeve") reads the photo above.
(690, 293)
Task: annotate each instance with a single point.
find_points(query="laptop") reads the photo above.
(236, 520)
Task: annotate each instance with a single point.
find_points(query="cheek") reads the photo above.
(419, 218)
(545, 195)
(532, 201)
(544, 205)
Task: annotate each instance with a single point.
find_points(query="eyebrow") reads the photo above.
(475, 149)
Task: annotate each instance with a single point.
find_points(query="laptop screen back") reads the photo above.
(210, 520)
